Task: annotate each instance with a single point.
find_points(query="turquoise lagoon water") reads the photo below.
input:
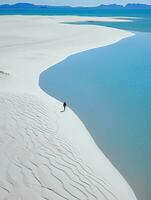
(142, 23)
(109, 88)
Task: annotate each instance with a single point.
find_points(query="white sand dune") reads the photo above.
(46, 154)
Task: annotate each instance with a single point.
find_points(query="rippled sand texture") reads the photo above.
(46, 154)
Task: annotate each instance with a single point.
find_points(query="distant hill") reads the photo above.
(128, 6)
(29, 5)
(111, 6)
(137, 6)
(19, 5)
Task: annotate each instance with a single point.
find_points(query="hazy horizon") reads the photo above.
(75, 3)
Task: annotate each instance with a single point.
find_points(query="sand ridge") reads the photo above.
(46, 154)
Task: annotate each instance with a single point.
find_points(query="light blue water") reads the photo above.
(110, 90)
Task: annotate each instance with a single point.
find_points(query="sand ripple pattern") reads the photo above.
(36, 162)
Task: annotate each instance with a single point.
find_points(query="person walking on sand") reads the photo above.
(64, 106)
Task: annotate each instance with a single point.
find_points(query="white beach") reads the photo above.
(46, 154)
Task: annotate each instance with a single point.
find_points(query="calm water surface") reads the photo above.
(110, 90)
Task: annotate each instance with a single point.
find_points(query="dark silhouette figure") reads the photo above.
(64, 106)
